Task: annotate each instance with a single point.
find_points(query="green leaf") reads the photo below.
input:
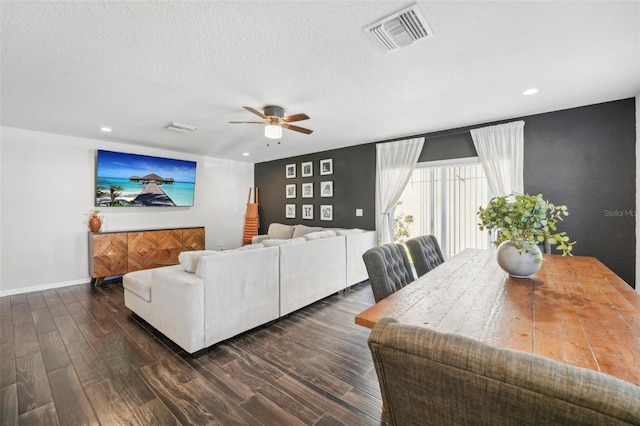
(524, 217)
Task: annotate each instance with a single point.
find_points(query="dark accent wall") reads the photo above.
(581, 157)
(354, 175)
(585, 158)
(446, 146)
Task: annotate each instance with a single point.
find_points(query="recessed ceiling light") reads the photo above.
(105, 129)
(531, 91)
(246, 154)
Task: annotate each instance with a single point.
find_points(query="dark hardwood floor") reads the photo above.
(76, 356)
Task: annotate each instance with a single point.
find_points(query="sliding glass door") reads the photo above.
(442, 199)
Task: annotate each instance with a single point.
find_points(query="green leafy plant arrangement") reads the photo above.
(401, 223)
(527, 220)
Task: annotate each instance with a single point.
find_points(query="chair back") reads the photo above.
(425, 252)
(388, 268)
(432, 378)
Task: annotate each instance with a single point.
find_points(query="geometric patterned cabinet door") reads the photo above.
(169, 245)
(108, 255)
(116, 253)
(143, 250)
(192, 239)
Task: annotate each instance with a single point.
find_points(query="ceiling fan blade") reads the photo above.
(250, 122)
(255, 111)
(295, 117)
(296, 128)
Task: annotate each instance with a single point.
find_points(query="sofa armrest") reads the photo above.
(241, 291)
(178, 306)
(259, 238)
(357, 244)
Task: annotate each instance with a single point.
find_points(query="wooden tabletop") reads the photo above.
(574, 310)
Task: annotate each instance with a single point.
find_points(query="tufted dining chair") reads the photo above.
(432, 378)
(388, 268)
(425, 252)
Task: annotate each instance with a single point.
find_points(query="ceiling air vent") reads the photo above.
(400, 29)
(179, 127)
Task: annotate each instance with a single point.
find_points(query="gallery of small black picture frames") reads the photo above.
(306, 190)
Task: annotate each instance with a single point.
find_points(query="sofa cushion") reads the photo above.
(259, 238)
(319, 235)
(279, 231)
(138, 283)
(280, 242)
(302, 230)
(247, 247)
(253, 246)
(349, 231)
(189, 259)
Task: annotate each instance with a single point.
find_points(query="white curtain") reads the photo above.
(395, 162)
(501, 152)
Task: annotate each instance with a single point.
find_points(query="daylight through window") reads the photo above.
(442, 199)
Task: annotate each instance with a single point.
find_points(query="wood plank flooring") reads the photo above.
(76, 356)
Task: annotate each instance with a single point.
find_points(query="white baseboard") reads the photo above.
(31, 289)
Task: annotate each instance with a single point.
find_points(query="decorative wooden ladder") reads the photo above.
(251, 219)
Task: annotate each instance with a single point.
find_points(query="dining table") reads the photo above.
(574, 310)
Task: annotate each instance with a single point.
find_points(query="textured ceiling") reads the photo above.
(70, 67)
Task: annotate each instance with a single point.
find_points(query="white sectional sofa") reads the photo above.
(310, 271)
(357, 241)
(212, 296)
(220, 298)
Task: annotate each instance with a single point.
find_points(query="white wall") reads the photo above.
(47, 190)
(637, 198)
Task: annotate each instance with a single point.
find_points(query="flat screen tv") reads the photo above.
(133, 180)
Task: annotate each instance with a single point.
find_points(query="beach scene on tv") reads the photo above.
(132, 180)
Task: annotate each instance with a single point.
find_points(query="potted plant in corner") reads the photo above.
(523, 222)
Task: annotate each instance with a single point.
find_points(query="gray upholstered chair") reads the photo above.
(388, 268)
(425, 252)
(432, 378)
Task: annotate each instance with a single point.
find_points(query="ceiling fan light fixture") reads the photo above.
(275, 120)
(272, 131)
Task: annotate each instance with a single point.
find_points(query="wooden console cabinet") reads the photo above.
(116, 253)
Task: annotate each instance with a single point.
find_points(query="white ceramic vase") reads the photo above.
(516, 264)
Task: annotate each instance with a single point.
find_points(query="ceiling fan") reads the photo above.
(275, 121)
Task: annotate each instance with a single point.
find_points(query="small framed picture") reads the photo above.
(326, 189)
(290, 211)
(326, 212)
(326, 166)
(290, 191)
(307, 169)
(307, 190)
(291, 171)
(307, 211)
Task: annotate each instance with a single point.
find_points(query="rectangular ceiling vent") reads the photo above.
(179, 127)
(400, 29)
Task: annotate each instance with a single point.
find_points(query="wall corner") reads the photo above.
(637, 198)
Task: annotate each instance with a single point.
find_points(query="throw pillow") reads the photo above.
(278, 231)
(189, 259)
(280, 242)
(319, 235)
(302, 230)
(349, 231)
(253, 246)
(248, 247)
